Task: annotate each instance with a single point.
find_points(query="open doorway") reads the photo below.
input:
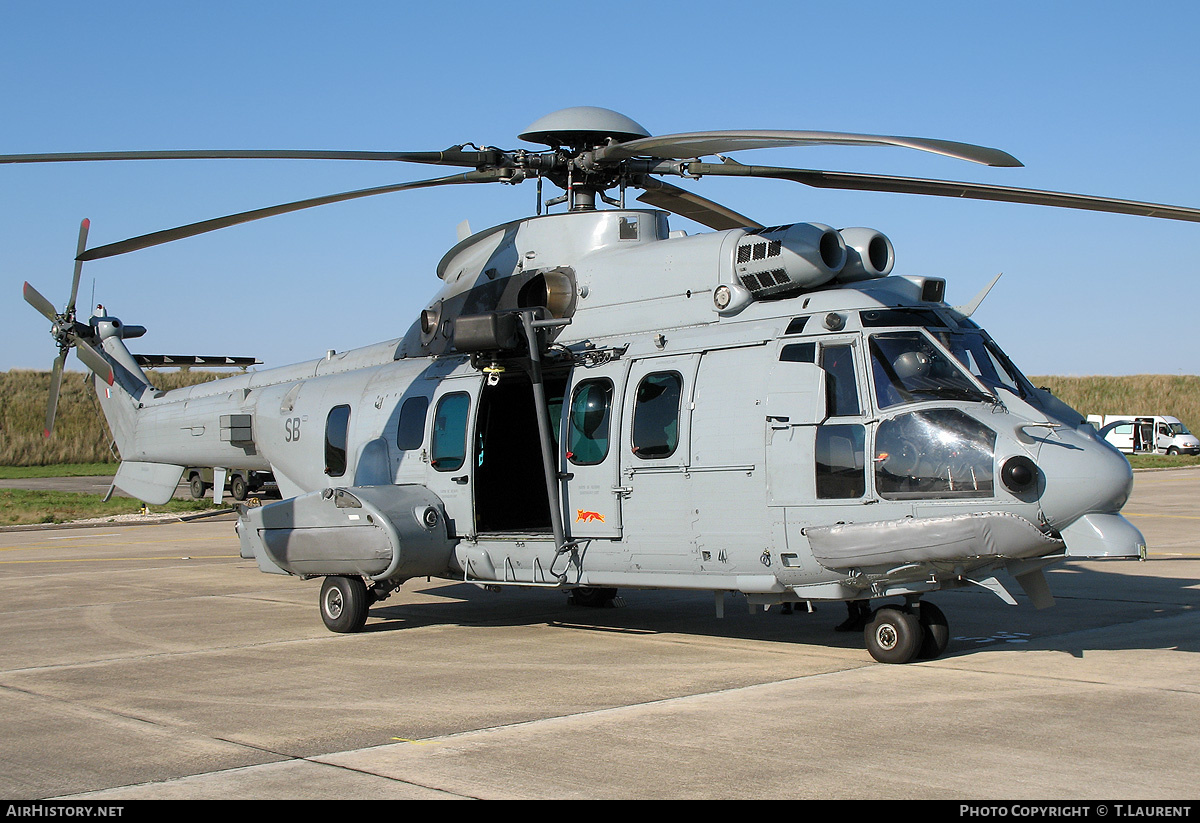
(510, 484)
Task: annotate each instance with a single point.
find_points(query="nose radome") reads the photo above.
(1084, 475)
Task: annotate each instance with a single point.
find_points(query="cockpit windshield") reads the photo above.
(909, 368)
(982, 358)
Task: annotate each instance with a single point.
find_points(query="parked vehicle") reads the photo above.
(1146, 434)
(239, 482)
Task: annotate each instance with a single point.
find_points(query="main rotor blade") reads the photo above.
(692, 206)
(453, 156)
(950, 188)
(94, 361)
(79, 249)
(55, 388)
(34, 298)
(702, 143)
(192, 229)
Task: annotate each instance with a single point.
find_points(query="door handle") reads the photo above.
(460, 480)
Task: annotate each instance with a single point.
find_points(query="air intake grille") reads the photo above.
(764, 281)
(759, 250)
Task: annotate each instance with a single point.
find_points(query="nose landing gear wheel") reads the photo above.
(894, 636)
(344, 604)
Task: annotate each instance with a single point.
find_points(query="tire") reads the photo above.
(344, 604)
(1172, 451)
(937, 631)
(197, 487)
(237, 487)
(592, 597)
(894, 636)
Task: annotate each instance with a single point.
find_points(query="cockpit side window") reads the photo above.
(841, 387)
(934, 454)
(839, 464)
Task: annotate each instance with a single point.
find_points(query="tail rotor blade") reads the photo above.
(34, 298)
(79, 249)
(55, 387)
(94, 361)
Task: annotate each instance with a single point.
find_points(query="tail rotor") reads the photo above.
(68, 333)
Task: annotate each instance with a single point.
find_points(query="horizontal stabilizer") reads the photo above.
(152, 483)
(178, 360)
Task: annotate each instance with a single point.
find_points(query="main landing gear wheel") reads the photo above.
(937, 631)
(344, 604)
(894, 636)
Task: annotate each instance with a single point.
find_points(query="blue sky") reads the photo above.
(1097, 98)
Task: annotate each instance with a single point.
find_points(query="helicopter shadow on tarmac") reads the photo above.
(1088, 599)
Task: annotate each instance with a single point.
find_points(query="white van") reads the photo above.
(1146, 433)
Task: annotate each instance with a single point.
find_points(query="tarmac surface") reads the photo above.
(151, 661)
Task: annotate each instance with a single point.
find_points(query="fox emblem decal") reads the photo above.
(582, 516)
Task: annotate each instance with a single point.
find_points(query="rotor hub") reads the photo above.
(582, 127)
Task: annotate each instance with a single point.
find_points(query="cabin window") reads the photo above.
(840, 466)
(591, 413)
(841, 387)
(656, 415)
(410, 428)
(448, 450)
(337, 429)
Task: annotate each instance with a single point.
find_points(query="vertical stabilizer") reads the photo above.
(152, 483)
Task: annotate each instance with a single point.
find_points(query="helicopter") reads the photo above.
(593, 401)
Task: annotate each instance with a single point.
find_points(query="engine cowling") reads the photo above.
(784, 259)
(869, 254)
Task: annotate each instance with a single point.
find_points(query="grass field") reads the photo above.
(21, 507)
(80, 432)
(1164, 394)
(59, 470)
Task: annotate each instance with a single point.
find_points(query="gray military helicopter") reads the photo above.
(592, 401)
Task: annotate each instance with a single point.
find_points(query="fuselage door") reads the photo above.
(815, 424)
(592, 492)
(451, 451)
(655, 453)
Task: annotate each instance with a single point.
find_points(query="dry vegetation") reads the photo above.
(80, 433)
(1174, 395)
